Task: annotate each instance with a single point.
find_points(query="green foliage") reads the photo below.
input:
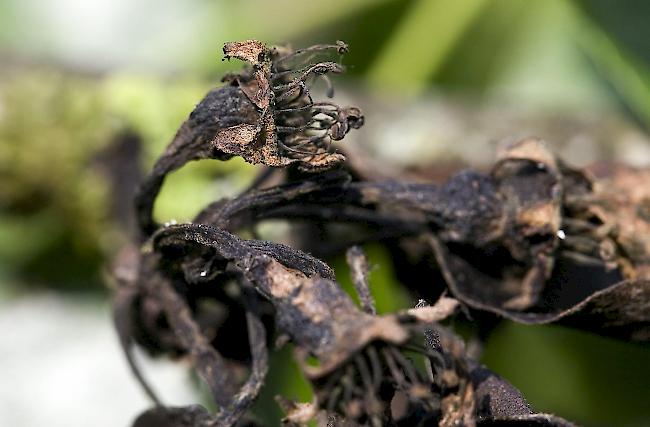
(56, 228)
(591, 379)
(50, 129)
(388, 293)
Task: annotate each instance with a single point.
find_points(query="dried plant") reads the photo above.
(533, 240)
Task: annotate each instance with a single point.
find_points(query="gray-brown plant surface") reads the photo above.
(532, 240)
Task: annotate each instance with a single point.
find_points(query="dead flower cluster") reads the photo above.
(533, 240)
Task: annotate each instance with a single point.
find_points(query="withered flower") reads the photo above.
(533, 240)
(292, 127)
(264, 114)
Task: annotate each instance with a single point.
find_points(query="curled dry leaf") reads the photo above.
(361, 353)
(593, 258)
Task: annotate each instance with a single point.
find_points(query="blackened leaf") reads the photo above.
(220, 109)
(495, 397)
(248, 208)
(232, 248)
(532, 420)
(187, 416)
(242, 401)
(621, 310)
(212, 367)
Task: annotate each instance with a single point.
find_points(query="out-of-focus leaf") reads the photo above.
(628, 25)
(427, 33)
(584, 377)
(629, 77)
(542, 67)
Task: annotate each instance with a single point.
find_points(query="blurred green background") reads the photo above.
(80, 80)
